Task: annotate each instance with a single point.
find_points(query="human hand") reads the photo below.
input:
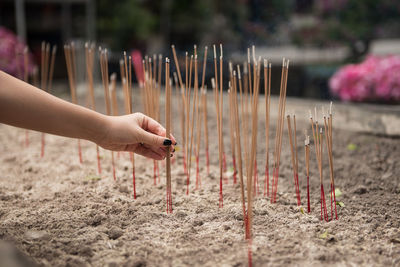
(136, 133)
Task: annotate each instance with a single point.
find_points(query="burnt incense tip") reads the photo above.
(330, 108)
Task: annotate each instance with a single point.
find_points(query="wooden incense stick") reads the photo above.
(194, 111)
(231, 126)
(293, 150)
(267, 92)
(238, 147)
(200, 116)
(218, 110)
(254, 131)
(168, 134)
(307, 161)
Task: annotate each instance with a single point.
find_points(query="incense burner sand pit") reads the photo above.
(59, 212)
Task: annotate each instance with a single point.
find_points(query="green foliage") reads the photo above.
(125, 22)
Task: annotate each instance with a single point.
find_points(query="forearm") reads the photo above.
(25, 106)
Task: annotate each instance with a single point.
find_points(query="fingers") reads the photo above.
(154, 127)
(149, 153)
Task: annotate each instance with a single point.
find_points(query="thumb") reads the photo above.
(153, 139)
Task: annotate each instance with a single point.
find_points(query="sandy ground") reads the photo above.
(59, 212)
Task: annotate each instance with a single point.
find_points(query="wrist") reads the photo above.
(99, 128)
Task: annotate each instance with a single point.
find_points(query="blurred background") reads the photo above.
(341, 49)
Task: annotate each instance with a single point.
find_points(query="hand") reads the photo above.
(136, 133)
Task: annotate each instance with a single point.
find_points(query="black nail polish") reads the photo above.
(172, 155)
(173, 150)
(175, 143)
(167, 142)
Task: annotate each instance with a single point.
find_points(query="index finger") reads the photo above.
(156, 128)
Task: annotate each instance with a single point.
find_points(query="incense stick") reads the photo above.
(267, 92)
(307, 161)
(293, 150)
(218, 111)
(238, 145)
(168, 134)
(231, 126)
(254, 131)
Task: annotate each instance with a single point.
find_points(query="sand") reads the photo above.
(58, 212)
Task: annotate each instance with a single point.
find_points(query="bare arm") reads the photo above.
(25, 106)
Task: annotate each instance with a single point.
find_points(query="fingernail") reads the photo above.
(173, 150)
(172, 155)
(167, 142)
(175, 143)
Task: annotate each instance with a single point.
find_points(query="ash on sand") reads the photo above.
(55, 211)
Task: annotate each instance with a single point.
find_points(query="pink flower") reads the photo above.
(12, 54)
(374, 79)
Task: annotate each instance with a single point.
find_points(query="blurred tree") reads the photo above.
(125, 23)
(354, 23)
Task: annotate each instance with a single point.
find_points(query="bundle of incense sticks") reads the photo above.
(69, 51)
(126, 78)
(318, 143)
(89, 56)
(293, 150)
(267, 93)
(218, 98)
(279, 130)
(307, 161)
(168, 133)
(47, 70)
(328, 135)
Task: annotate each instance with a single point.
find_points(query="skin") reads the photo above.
(23, 105)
